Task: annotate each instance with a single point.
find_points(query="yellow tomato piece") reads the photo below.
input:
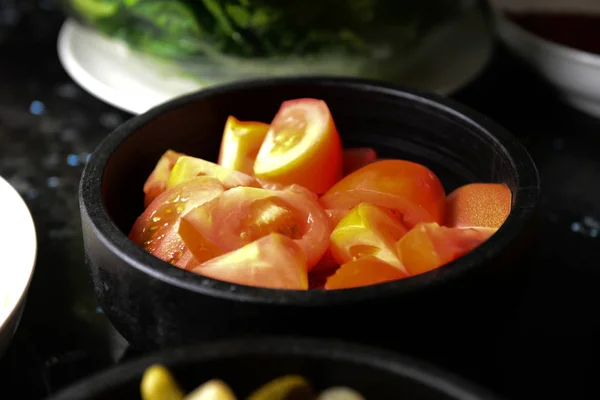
(159, 384)
(188, 167)
(241, 143)
(301, 147)
(273, 261)
(367, 230)
(286, 387)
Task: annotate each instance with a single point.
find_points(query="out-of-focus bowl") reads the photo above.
(575, 73)
(153, 303)
(18, 246)
(246, 364)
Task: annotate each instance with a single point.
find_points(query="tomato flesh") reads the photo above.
(428, 246)
(157, 181)
(478, 205)
(367, 230)
(242, 215)
(188, 167)
(365, 271)
(273, 261)
(408, 188)
(241, 143)
(357, 158)
(301, 147)
(156, 230)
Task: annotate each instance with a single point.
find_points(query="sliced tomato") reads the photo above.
(273, 261)
(241, 215)
(157, 181)
(301, 147)
(367, 230)
(357, 158)
(476, 205)
(408, 188)
(335, 216)
(201, 248)
(187, 261)
(188, 167)
(365, 271)
(428, 246)
(241, 143)
(156, 230)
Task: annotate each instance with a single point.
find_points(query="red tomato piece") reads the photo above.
(429, 246)
(301, 147)
(241, 143)
(365, 271)
(241, 215)
(476, 205)
(200, 247)
(188, 167)
(157, 181)
(156, 230)
(273, 261)
(367, 230)
(357, 158)
(408, 188)
(187, 261)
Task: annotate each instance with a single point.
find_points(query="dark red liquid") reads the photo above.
(580, 31)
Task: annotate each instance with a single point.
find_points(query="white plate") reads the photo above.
(18, 246)
(135, 83)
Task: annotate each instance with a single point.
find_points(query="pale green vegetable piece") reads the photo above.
(340, 393)
(212, 390)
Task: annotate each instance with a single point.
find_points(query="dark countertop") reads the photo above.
(48, 126)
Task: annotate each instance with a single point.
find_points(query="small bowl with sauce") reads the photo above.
(560, 39)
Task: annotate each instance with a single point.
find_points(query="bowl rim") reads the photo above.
(375, 357)
(572, 54)
(22, 239)
(525, 201)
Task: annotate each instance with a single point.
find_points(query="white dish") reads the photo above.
(575, 73)
(18, 245)
(135, 83)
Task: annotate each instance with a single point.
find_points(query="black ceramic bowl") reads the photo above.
(247, 364)
(154, 304)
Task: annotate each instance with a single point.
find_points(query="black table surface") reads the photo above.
(48, 126)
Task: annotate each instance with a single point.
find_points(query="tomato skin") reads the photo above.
(156, 230)
(356, 158)
(428, 246)
(367, 230)
(365, 271)
(241, 143)
(310, 153)
(273, 261)
(157, 181)
(406, 187)
(187, 168)
(478, 205)
(242, 215)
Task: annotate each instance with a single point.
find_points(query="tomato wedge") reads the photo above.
(429, 246)
(188, 167)
(301, 147)
(156, 229)
(477, 205)
(408, 188)
(365, 271)
(273, 261)
(241, 215)
(367, 230)
(357, 158)
(157, 181)
(241, 143)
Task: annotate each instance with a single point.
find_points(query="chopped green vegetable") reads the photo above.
(228, 32)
